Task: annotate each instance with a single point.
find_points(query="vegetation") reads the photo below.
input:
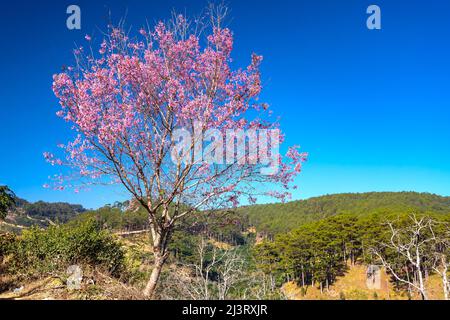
(114, 218)
(38, 252)
(57, 212)
(143, 131)
(280, 218)
(24, 214)
(236, 255)
(319, 252)
(6, 200)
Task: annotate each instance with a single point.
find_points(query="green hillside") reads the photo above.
(25, 214)
(277, 218)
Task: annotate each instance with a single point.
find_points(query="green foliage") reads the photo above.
(222, 226)
(38, 251)
(7, 241)
(57, 212)
(319, 252)
(226, 227)
(313, 240)
(41, 214)
(113, 218)
(357, 294)
(267, 254)
(7, 200)
(280, 218)
(183, 246)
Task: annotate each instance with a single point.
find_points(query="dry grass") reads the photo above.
(96, 284)
(352, 286)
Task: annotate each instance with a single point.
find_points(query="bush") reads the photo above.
(6, 241)
(303, 291)
(39, 251)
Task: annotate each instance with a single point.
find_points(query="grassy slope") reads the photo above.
(352, 286)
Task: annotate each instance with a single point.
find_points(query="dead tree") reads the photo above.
(214, 274)
(411, 242)
(441, 263)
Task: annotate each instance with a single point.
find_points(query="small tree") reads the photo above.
(214, 273)
(7, 200)
(441, 263)
(142, 110)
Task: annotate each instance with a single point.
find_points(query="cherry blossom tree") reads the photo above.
(128, 102)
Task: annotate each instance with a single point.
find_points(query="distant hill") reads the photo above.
(270, 218)
(277, 218)
(26, 214)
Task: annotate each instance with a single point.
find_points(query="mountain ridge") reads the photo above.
(282, 217)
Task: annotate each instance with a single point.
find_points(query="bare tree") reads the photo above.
(260, 286)
(441, 267)
(212, 276)
(441, 264)
(412, 243)
(229, 273)
(201, 285)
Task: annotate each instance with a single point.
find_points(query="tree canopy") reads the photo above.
(284, 217)
(7, 200)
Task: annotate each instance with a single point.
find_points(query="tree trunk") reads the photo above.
(303, 278)
(409, 282)
(272, 283)
(423, 290)
(445, 283)
(150, 288)
(160, 240)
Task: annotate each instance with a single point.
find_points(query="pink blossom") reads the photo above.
(125, 102)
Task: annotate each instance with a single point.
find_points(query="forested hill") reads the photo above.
(276, 218)
(55, 211)
(26, 214)
(270, 218)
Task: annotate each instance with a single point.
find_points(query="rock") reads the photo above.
(373, 277)
(17, 290)
(75, 277)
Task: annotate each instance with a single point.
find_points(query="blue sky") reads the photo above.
(372, 107)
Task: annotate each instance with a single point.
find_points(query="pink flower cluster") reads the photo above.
(123, 103)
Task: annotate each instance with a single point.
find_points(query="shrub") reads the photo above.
(303, 291)
(6, 241)
(40, 251)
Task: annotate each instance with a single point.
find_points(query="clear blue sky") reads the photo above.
(371, 107)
